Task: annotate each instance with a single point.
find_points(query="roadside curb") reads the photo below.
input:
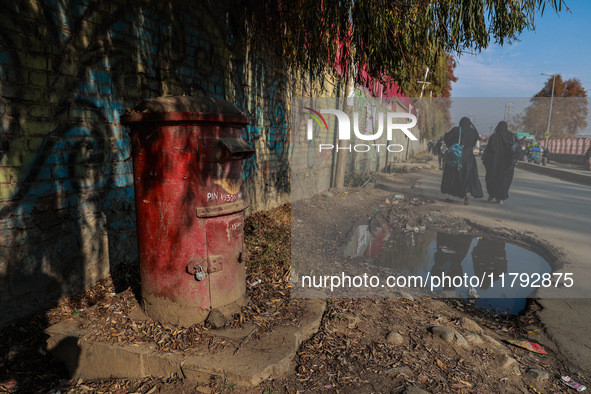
(556, 173)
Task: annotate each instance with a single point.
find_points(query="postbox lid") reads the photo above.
(185, 108)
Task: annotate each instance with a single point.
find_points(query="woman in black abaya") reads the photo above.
(499, 161)
(462, 182)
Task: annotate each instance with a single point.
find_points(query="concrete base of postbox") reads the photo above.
(244, 363)
(183, 314)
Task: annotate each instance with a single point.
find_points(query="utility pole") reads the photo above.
(551, 99)
(507, 112)
(423, 83)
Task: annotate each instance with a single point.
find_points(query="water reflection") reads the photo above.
(451, 251)
(489, 256)
(436, 254)
(410, 253)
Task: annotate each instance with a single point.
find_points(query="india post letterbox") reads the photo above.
(187, 161)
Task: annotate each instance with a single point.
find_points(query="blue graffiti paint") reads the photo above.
(198, 70)
(278, 138)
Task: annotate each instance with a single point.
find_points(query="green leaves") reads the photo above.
(391, 38)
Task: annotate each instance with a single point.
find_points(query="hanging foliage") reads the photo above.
(392, 39)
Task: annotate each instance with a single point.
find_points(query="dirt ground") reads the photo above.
(364, 345)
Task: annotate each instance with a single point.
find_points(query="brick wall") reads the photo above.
(68, 70)
(312, 168)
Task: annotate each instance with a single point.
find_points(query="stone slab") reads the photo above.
(257, 360)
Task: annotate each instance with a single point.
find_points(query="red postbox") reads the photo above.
(187, 160)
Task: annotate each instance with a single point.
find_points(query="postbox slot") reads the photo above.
(233, 149)
(220, 210)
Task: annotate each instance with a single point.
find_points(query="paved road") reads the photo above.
(556, 212)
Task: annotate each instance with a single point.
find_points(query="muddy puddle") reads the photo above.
(495, 274)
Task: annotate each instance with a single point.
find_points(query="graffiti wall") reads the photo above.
(68, 70)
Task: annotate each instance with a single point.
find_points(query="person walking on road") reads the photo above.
(499, 160)
(462, 180)
(440, 149)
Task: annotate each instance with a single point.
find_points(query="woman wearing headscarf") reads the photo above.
(462, 181)
(499, 159)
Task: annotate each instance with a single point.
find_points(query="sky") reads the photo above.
(560, 44)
